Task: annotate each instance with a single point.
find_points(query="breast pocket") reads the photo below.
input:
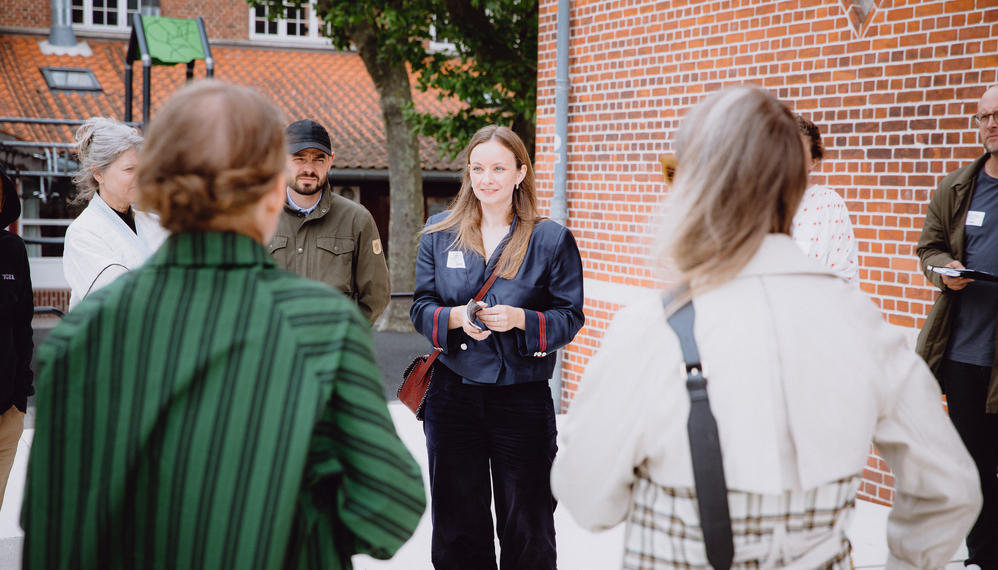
(278, 243)
(334, 262)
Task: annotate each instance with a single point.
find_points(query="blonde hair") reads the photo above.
(466, 211)
(741, 175)
(100, 141)
(214, 149)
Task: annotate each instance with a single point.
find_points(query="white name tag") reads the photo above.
(975, 218)
(455, 259)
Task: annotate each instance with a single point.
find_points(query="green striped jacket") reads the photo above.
(210, 410)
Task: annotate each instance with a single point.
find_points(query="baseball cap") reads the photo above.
(307, 134)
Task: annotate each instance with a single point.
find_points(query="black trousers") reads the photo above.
(507, 432)
(966, 388)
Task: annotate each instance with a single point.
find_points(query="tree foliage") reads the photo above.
(493, 68)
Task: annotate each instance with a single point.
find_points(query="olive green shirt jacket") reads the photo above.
(211, 410)
(338, 244)
(941, 242)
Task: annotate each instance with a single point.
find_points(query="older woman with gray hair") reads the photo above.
(109, 237)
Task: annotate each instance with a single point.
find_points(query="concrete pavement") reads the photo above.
(578, 549)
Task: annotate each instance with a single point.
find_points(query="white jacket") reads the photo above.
(100, 247)
(803, 373)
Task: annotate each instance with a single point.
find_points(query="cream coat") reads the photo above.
(100, 247)
(803, 373)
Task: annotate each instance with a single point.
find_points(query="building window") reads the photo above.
(104, 14)
(70, 79)
(294, 24)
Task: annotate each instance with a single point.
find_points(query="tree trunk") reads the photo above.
(405, 175)
(527, 131)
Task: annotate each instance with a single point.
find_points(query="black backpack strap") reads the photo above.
(705, 446)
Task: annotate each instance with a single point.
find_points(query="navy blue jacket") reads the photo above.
(548, 287)
(16, 307)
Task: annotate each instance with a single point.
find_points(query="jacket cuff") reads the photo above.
(535, 335)
(439, 333)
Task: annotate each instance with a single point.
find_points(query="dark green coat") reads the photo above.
(941, 242)
(336, 244)
(210, 410)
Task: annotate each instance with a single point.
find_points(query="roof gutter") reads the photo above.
(364, 174)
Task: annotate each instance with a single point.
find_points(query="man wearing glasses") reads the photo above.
(958, 340)
(323, 236)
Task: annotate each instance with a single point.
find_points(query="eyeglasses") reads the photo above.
(984, 119)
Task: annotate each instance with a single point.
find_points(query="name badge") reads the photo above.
(975, 218)
(455, 259)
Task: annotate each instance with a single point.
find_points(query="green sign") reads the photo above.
(172, 40)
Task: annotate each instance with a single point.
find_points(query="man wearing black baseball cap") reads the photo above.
(323, 236)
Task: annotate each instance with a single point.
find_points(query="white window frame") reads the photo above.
(439, 46)
(313, 37)
(123, 25)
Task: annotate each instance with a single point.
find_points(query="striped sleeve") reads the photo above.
(379, 498)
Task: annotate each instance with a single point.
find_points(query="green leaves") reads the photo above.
(491, 69)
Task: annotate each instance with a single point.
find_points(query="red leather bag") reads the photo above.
(417, 376)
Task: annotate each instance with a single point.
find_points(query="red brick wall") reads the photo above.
(25, 14)
(892, 95)
(58, 298)
(224, 19)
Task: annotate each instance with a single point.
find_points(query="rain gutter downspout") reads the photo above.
(559, 201)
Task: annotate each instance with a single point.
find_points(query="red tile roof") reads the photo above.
(329, 87)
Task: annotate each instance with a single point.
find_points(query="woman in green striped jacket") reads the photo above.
(210, 410)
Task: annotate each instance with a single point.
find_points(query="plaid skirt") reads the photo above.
(796, 529)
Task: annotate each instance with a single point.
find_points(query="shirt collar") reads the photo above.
(211, 249)
(297, 208)
(778, 254)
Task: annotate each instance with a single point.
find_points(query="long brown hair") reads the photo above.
(742, 172)
(466, 211)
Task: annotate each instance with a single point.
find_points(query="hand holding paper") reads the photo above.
(956, 276)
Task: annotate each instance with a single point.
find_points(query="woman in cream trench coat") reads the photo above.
(802, 374)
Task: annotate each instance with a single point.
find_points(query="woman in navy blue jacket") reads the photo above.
(489, 417)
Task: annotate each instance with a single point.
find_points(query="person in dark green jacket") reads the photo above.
(324, 236)
(959, 340)
(209, 409)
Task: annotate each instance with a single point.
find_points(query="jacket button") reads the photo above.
(464, 346)
(336, 248)
(300, 250)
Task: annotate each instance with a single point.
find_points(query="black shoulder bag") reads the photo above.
(705, 446)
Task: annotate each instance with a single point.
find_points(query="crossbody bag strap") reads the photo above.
(436, 316)
(705, 446)
(488, 285)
